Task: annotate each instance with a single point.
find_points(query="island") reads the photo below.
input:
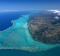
(45, 27)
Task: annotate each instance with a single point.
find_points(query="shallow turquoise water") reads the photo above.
(18, 37)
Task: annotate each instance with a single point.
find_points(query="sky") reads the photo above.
(28, 5)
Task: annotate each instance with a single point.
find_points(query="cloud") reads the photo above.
(55, 11)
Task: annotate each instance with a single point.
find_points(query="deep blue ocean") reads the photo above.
(7, 17)
(5, 22)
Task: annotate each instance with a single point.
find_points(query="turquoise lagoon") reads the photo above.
(18, 37)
